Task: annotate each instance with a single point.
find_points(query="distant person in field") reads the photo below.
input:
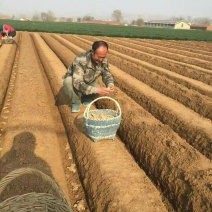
(80, 81)
(6, 30)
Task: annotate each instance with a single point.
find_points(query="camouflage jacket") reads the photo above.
(84, 73)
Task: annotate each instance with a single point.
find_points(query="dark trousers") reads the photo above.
(12, 34)
(75, 96)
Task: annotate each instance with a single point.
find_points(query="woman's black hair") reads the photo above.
(99, 43)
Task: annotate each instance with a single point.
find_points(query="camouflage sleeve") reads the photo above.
(78, 80)
(107, 77)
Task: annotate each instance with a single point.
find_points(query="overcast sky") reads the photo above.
(103, 9)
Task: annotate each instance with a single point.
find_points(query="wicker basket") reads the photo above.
(8, 41)
(30, 202)
(104, 128)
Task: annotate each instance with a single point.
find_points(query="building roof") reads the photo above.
(198, 26)
(161, 21)
(165, 22)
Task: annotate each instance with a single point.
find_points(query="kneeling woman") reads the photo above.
(6, 30)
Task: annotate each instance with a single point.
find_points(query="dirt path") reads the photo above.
(200, 71)
(189, 97)
(192, 46)
(34, 135)
(7, 53)
(148, 167)
(186, 81)
(172, 49)
(161, 47)
(175, 58)
(182, 120)
(105, 167)
(170, 112)
(163, 146)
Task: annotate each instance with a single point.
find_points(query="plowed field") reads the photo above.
(161, 157)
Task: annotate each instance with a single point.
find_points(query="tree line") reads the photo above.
(116, 16)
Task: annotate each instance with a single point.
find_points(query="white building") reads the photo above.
(168, 24)
(182, 25)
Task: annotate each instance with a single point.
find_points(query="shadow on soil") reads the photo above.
(78, 122)
(61, 98)
(22, 155)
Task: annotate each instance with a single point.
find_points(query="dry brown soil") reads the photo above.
(160, 159)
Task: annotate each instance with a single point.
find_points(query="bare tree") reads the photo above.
(176, 19)
(88, 18)
(199, 20)
(63, 19)
(49, 16)
(117, 15)
(43, 16)
(36, 17)
(69, 19)
(79, 19)
(133, 22)
(139, 21)
(203, 20)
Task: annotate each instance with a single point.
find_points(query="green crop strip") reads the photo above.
(110, 30)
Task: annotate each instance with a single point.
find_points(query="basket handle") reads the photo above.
(18, 172)
(103, 97)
